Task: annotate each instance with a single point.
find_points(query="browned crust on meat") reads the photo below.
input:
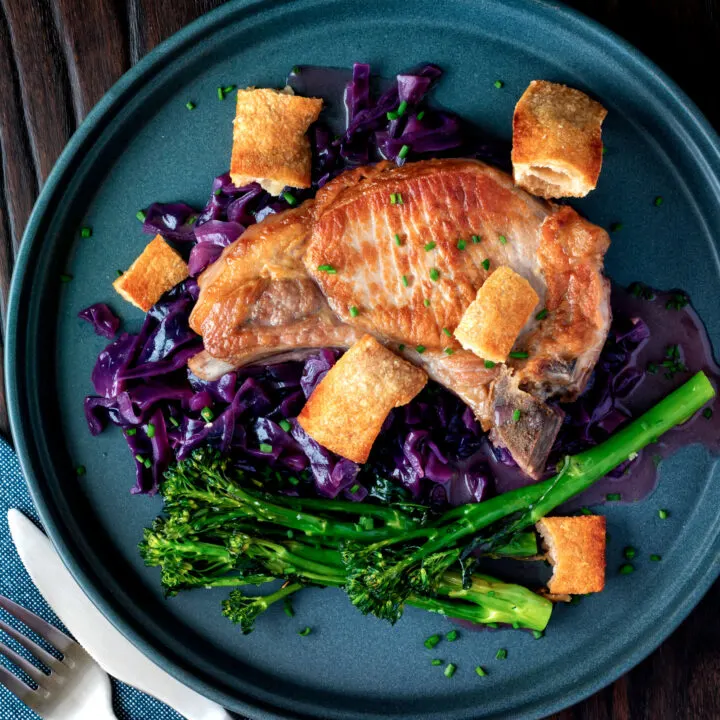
(557, 145)
(576, 549)
(491, 323)
(269, 141)
(347, 409)
(157, 269)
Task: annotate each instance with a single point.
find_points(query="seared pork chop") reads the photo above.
(400, 253)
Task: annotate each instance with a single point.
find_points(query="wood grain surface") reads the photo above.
(58, 57)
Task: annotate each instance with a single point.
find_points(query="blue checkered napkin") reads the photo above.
(15, 584)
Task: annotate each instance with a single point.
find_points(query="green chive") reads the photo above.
(586, 511)
(131, 431)
(452, 636)
(220, 93)
(86, 232)
(430, 246)
(329, 269)
(663, 514)
(420, 115)
(486, 264)
(354, 312)
(449, 670)
(174, 422)
(448, 351)
(476, 239)
(604, 150)
(147, 463)
(405, 280)
(432, 641)
(402, 107)
(288, 608)
(426, 302)
(293, 480)
(120, 273)
(265, 448)
(537, 634)
(285, 425)
(150, 430)
(289, 198)
(420, 349)
(401, 347)
(192, 219)
(519, 354)
(404, 150)
(655, 558)
(190, 105)
(393, 198)
(80, 470)
(651, 368)
(614, 227)
(217, 192)
(658, 201)
(436, 662)
(398, 196)
(613, 497)
(493, 625)
(228, 89)
(354, 488)
(629, 552)
(447, 332)
(480, 671)
(296, 70)
(489, 364)
(501, 654)
(434, 274)
(502, 239)
(542, 314)
(140, 458)
(305, 632)
(207, 414)
(498, 84)
(66, 278)
(516, 415)
(392, 115)
(707, 413)
(626, 569)
(461, 244)
(140, 215)
(398, 241)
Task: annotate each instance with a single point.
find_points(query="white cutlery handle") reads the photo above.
(186, 701)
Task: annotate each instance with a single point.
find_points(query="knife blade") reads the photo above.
(108, 647)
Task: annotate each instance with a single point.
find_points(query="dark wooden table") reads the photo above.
(58, 57)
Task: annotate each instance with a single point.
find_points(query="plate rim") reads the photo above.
(691, 119)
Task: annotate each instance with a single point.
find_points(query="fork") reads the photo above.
(76, 688)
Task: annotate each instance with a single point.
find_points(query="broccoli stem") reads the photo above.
(520, 545)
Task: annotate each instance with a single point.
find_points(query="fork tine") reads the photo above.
(32, 647)
(16, 686)
(54, 636)
(34, 673)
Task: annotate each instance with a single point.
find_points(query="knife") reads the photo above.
(112, 651)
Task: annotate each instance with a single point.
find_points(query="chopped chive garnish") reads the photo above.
(480, 671)
(519, 354)
(426, 303)
(432, 641)
(147, 463)
(354, 312)
(190, 105)
(399, 198)
(354, 488)
(658, 201)
(150, 430)
(677, 302)
(288, 608)
(139, 458)
(542, 314)
(293, 480)
(420, 348)
(707, 413)
(65, 278)
(613, 497)
(663, 514)
(80, 470)
(402, 107)
(120, 273)
(629, 552)
(493, 625)
(626, 569)
(420, 115)
(404, 280)
(434, 274)
(329, 269)
(285, 425)
(393, 198)
(140, 215)
(537, 634)
(436, 662)
(220, 93)
(655, 558)
(452, 636)
(448, 351)
(501, 654)
(265, 448)
(86, 232)
(404, 150)
(516, 415)
(217, 192)
(449, 670)
(131, 431)
(401, 347)
(614, 227)
(461, 244)
(502, 239)
(305, 632)
(192, 219)
(296, 70)
(586, 511)
(476, 239)
(392, 115)
(228, 89)
(651, 368)
(289, 198)
(430, 246)
(174, 422)
(604, 150)
(498, 84)
(447, 332)
(398, 241)
(489, 364)
(207, 414)
(486, 264)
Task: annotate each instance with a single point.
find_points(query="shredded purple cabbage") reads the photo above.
(102, 318)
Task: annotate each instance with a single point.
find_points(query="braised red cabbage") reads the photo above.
(102, 318)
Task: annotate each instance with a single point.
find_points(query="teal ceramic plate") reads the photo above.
(140, 144)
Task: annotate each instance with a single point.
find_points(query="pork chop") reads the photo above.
(400, 253)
